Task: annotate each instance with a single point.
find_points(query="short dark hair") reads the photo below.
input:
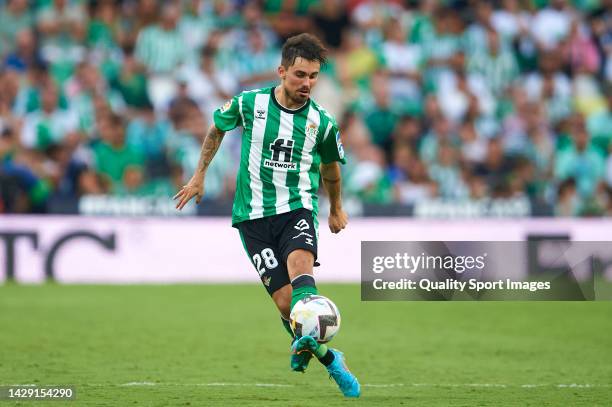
(303, 45)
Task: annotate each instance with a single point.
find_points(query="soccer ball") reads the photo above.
(315, 316)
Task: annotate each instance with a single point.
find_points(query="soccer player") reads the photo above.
(288, 143)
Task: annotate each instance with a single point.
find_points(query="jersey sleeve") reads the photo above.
(331, 148)
(228, 116)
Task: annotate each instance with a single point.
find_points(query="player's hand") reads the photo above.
(337, 221)
(195, 187)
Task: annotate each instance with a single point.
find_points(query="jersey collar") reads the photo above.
(284, 109)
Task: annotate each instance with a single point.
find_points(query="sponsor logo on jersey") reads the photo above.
(226, 106)
(279, 165)
(282, 154)
(260, 113)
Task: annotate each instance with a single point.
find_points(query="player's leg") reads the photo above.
(299, 246)
(300, 265)
(259, 244)
(295, 230)
(282, 299)
(302, 285)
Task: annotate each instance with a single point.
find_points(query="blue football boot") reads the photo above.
(347, 382)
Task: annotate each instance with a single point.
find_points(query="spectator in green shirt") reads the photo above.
(599, 124)
(112, 156)
(131, 81)
(494, 65)
(50, 124)
(581, 162)
(63, 26)
(161, 49)
(15, 17)
(381, 118)
(160, 46)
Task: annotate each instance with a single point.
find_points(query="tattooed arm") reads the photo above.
(195, 186)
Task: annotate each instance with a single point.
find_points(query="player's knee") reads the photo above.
(300, 262)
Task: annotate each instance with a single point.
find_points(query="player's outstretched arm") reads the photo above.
(332, 181)
(195, 186)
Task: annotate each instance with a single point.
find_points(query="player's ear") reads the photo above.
(281, 71)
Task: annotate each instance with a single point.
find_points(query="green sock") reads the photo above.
(302, 286)
(325, 356)
(287, 326)
(304, 291)
(321, 351)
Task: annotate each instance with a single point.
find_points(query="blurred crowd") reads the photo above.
(453, 100)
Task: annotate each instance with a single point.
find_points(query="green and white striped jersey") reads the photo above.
(159, 50)
(281, 153)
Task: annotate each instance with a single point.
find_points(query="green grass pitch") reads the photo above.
(194, 345)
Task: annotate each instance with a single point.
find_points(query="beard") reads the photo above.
(299, 98)
(296, 97)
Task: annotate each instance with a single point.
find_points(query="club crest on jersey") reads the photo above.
(226, 106)
(260, 113)
(311, 130)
